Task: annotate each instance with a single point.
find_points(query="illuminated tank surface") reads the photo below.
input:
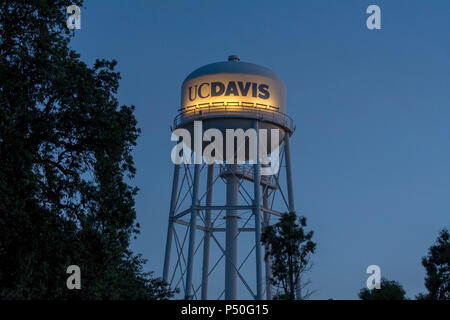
(232, 94)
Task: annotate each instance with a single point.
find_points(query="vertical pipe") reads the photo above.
(192, 229)
(207, 240)
(231, 236)
(290, 187)
(173, 202)
(268, 263)
(257, 214)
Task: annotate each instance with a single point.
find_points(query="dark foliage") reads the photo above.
(65, 155)
(390, 290)
(290, 248)
(437, 266)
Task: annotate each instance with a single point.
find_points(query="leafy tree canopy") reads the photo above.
(437, 266)
(65, 150)
(390, 290)
(290, 248)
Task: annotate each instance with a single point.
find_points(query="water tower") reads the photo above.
(207, 221)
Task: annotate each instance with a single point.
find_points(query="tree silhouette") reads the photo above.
(390, 290)
(290, 248)
(65, 150)
(437, 266)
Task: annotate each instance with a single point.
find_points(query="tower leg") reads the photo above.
(257, 215)
(232, 217)
(268, 262)
(290, 185)
(173, 201)
(207, 240)
(290, 189)
(192, 230)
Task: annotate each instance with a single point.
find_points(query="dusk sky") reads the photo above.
(371, 153)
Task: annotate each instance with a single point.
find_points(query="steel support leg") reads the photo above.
(257, 215)
(173, 201)
(231, 249)
(268, 262)
(207, 240)
(192, 230)
(290, 190)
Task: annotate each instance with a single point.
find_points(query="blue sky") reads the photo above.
(371, 150)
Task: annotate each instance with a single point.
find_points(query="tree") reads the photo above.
(65, 150)
(289, 248)
(390, 290)
(437, 266)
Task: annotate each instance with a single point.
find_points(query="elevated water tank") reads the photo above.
(232, 94)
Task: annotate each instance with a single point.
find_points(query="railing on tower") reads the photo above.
(251, 110)
(247, 172)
